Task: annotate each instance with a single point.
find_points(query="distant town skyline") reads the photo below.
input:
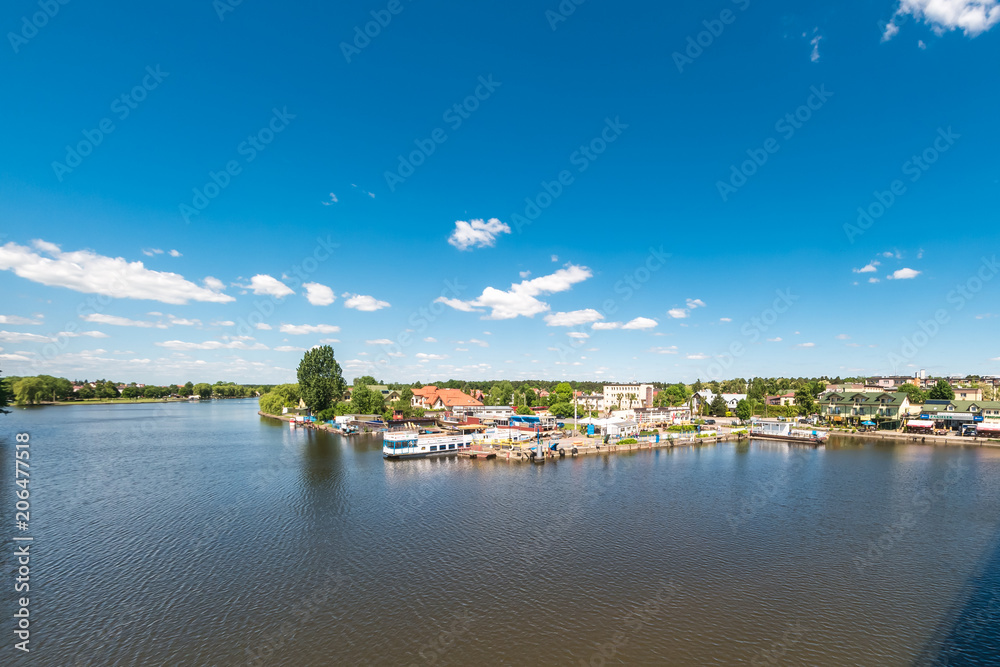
(669, 194)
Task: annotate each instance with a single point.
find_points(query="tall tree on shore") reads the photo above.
(321, 383)
(4, 400)
(942, 391)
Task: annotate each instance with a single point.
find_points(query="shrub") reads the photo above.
(628, 441)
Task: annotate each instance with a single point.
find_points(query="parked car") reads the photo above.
(711, 422)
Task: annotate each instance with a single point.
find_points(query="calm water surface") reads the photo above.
(176, 534)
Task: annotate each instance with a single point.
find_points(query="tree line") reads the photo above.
(37, 389)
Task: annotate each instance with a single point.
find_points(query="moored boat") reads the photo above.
(408, 443)
(787, 431)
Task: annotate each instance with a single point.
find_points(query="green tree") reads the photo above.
(743, 410)
(4, 398)
(187, 389)
(366, 401)
(942, 391)
(86, 392)
(203, 389)
(321, 383)
(916, 395)
(564, 392)
(30, 390)
(365, 380)
(523, 410)
(131, 393)
(561, 409)
(281, 396)
(804, 401)
(697, 386)
(718, 407)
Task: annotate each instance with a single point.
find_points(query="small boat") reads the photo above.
(409, 443)
(785, 430)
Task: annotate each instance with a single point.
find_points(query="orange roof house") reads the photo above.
(432, 398)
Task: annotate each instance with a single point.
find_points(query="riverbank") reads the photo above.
(921, 439)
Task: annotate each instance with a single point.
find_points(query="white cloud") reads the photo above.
(116, 321)
(480, 343)
(18, 337)
(214, 284)
(477, 233)
(223, 323)
(174, 253)
(874, 280)
(268, 285)
(640, 323)
(14, 357)
(972, 17)
(923, 47)
(263, 326)
(211, 345)
(664, 350)
(423, 356)
(379, 341)
(524, 274)
(363, 302)
(868, 268)
(678, 313)
(430, 339)
(695, 303)
(88, 272)
(289, 348)
(333, 200)
(16, 319)
(774, 340)
(184, 322)
(328, 341)
(904, 274)
(577, 334)
(806, 345)
(554, 258)
(302, 329)
(843, 337)
(725, 319)
(520, 299)
(606, 326)
(814, 56)
(319, 295)
(150, 252)
(698, 357)
(573, 318)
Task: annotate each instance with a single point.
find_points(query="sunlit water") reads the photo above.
(202, 534)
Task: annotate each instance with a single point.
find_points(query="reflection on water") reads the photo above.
(202, 534)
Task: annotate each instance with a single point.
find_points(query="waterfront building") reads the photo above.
(860, 406)
(627, 396)
(954, 414)
(432, 398)
(788, 398)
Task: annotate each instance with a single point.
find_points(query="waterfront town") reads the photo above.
(959, 406)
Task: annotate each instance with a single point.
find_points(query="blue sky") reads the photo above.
(497, 190)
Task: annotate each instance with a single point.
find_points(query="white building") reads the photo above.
(627, 396)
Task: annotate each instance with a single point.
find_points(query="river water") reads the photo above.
(201, 534)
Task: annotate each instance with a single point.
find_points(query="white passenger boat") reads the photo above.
(411, 444)
(785, 430)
